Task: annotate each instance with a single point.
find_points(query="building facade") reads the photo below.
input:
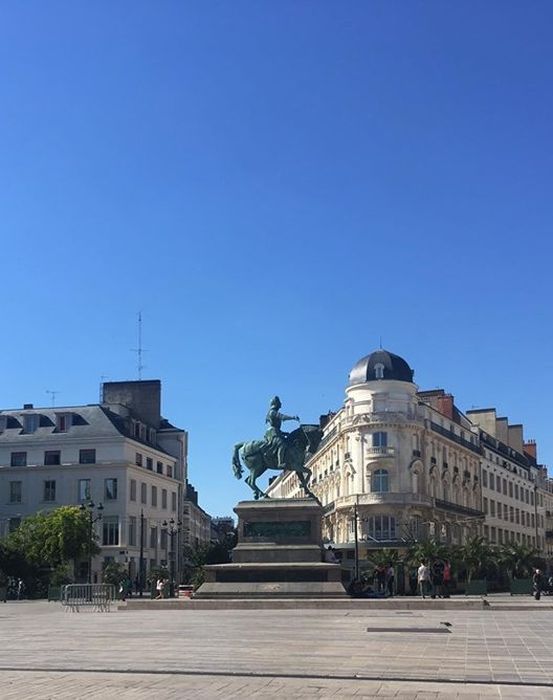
(120, 454)
(397, 465)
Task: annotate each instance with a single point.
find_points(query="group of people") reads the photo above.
(434, 579)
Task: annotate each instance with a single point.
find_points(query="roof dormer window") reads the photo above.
(379, 371)
(63, 422)
(30, 422)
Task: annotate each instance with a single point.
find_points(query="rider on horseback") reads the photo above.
(276, 439)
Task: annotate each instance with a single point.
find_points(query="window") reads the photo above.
(163, 539)
(110, 530)
(511, 514)
(143, 493)
(511, 489)
(110, 489)
(379, 371)
(30, 422)
(380, 481)
(153, 537)
(132, 530)
(159, 467)
(484, 478)
(492, 508)
(62, 422)
(49, 491)
(13, 524)
(504, 487)
(499, 510)
(154, 496)
(132, 495)
(173, 500)
(485, 505)
(169, 470)
(52, 457)
(164, 498)
(18, 459)
(149, 463)
(516, 491)
(382, 527)
(87, 456)
(492, 481)
(15, 491)
(380, 439)
(138, 459)
(84, 490)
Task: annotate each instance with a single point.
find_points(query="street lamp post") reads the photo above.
(89, 509)
(172, 529)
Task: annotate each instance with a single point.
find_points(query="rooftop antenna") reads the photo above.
(380, 342)
(139, 349)
(53, 395)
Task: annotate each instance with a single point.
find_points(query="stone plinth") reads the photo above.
(279, 554)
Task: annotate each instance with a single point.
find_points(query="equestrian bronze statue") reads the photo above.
(278, 450)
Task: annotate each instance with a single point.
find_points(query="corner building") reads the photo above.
(120, 453)
(403, 465)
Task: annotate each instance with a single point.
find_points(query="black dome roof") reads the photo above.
(380, 364)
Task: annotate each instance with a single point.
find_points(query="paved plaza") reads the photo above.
(170, 654)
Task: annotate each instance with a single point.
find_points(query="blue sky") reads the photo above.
(276, 185)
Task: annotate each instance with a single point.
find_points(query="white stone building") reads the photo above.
(405, 465)
(121, 454)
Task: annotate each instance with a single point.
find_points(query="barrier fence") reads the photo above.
(95, 596)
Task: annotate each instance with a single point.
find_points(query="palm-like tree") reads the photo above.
(383, 557)
(477, 556)
(427, 550)
(518, 559)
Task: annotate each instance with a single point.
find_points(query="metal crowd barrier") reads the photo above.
(95, 596)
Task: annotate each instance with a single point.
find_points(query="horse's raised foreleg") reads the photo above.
(236, 465)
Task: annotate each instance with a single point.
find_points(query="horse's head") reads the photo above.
(305, 440)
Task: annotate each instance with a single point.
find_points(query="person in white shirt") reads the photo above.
(423, 577)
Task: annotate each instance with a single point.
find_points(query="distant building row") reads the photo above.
(409, 464)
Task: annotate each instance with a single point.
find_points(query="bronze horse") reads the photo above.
(257, 455)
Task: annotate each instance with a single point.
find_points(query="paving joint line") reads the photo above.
(276, 674)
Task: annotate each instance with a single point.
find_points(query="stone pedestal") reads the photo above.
(278, 555)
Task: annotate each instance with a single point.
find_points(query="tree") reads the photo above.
(53, 538)
(428, 551)
(518, 559)
(478, 557)
(114, 573)
(383, 557)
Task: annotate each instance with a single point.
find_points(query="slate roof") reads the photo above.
(395, 368)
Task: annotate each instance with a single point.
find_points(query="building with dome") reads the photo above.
(398, 465)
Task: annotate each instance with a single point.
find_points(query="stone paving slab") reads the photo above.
(509, 653)
(133, 686)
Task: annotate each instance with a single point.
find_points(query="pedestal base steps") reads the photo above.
(279, 554)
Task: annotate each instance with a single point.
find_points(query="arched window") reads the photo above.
(379, 371)
(380, 481)
(380, 439)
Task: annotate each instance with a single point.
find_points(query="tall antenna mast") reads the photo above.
(53, 396)
(139, 349)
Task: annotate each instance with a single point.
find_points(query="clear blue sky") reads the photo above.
(276, 185)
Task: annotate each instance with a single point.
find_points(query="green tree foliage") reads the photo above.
(114, 573)
(53, 538)
(383, 557)
(428, 551)
(518, 559)
(478, 557)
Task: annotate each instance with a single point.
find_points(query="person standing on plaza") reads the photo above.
(390, 578)
(446, 578)
(423, 577)
(537, 583)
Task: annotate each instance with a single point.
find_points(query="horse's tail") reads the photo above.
(236, 465)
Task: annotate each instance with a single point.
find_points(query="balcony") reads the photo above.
(386, 498)
(456, 508)
(381, 451)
